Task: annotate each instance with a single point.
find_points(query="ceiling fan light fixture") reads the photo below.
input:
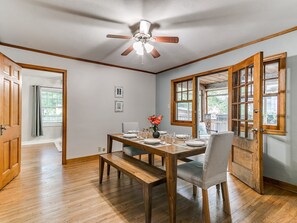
(140, 52)
(138, 47)
(144, 26)
(148, 47)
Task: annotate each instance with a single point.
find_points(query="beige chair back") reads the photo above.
(127, 126)
(216, 157)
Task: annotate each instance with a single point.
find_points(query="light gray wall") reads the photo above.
(50, 133)
(91, 99)
(280, 153)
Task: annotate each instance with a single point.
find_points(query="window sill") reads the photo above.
(181, 123)
(275, 132)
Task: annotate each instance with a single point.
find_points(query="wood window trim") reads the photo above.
(194, 77)
(280, 128)
(174, 102)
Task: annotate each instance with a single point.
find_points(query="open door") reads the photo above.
(245, 103)
(10, 120)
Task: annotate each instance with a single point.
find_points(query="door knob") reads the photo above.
(1, 129)
(254, 130)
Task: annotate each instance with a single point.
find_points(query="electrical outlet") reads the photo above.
(101, 149)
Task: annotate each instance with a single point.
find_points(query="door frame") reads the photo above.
(196, 78)
(64, 88)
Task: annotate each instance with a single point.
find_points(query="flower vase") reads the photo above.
(156, 134)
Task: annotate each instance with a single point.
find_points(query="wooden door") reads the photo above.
(245, 103)
(10, 120)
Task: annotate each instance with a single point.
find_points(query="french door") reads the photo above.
(245, 103)
(10, 120)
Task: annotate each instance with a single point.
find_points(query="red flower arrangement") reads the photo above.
(155, 120)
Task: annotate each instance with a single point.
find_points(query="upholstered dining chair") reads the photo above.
(129, 150)
(212, 171)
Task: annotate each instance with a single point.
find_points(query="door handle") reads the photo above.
(1, 129)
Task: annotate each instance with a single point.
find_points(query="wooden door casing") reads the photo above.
(245, 103)
(10, 118)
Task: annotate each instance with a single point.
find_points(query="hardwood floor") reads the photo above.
(45, 191)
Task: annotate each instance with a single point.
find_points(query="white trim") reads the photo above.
(35, 142)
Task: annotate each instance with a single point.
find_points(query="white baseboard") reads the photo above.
(27, 143)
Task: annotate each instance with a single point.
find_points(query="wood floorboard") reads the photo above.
(46, 191)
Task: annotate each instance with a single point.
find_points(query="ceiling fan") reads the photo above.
(142, 40)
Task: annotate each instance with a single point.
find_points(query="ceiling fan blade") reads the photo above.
(155, 53)
(127, 51)
(118, 36)
(166, 39)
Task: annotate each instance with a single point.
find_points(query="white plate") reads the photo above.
(181, 136)
(195, 143)
(152, 141)
(133, 131)
(162, 132)
(129, 135)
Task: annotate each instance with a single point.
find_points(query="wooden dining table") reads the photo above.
(171, 152)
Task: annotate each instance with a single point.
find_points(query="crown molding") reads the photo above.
(233, 48)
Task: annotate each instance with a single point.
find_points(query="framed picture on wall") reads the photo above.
(118, 92)
(119, 106)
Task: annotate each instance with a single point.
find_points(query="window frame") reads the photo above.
(174, 101)
(280, 128)
(55, 123)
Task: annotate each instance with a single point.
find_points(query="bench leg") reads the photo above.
(147, 197)
(101, 169)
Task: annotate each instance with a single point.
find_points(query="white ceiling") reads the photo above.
(78, 28)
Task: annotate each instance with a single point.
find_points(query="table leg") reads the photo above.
(171, 175)
(101, 169)
(109, 150)
(151, 159)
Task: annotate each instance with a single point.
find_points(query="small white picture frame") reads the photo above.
(119, 106)
(118, 92)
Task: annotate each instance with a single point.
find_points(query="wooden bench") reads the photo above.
(144, 173)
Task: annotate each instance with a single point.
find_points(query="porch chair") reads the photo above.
(212, 171)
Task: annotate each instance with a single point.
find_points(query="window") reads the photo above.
(51, 105)
(274, 94)
(217, 101)
(216, 116)
(182, 102)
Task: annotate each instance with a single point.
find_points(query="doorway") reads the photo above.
(212, 105)
(44, 114)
